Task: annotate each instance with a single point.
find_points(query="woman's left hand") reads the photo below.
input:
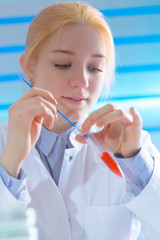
(120, 129)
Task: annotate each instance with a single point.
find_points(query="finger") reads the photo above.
(80, 138)
(34, 108)
(33, 92)
(137, 120)
(39, 111)
(95, 116)
(39, 120)
(108, 114)
(37, 100)
(120, 115)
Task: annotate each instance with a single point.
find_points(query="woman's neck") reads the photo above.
(60, 126)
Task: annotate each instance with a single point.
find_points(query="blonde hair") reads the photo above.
(50, 19)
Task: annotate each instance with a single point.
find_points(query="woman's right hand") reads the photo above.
(24, 125)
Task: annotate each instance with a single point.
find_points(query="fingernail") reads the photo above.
(55, 101)
(49, 111)
(82, 131)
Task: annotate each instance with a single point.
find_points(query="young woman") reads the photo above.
(45, 163)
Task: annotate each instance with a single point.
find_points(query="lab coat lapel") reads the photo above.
(50, 203)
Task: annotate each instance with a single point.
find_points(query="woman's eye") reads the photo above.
(62, 66)
(95, 69)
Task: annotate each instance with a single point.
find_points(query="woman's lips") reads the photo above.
(75, 100)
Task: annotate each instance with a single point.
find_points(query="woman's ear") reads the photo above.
(22, 62)
(28, 72)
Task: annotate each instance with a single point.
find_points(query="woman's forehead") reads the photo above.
(77, 35)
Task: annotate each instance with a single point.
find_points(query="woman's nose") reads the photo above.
(80, 78)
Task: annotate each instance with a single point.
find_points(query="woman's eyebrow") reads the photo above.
(63, 51)
(98, 55)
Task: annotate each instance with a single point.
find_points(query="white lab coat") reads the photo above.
(87, 205)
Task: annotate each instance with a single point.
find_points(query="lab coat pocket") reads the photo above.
(108, 223)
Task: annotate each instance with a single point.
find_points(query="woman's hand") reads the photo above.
(120, 129)
(25, 120)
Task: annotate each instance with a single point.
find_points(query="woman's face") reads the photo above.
(71, 65)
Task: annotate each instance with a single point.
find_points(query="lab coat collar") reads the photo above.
(46, 141)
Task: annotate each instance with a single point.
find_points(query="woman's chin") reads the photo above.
(75, 116)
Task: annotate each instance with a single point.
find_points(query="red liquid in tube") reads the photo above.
(112, 165)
